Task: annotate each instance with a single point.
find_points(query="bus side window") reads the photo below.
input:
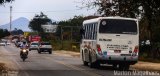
(90, 28)
(85, 28)
(87, 31)
(82, 32)
(95, 31)
(92, 31)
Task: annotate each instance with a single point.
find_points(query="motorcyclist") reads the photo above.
(23, 46)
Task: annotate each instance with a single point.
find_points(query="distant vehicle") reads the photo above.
(8, 43)
(2, 43)
(110, 40)
(34, 46)
(18, 43)
(14, 40)
(3, 40)
(45, 47)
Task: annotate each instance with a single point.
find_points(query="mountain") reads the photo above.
(20, 23)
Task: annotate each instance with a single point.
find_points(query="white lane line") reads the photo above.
(75, 68)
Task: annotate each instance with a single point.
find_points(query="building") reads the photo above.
(49, 28)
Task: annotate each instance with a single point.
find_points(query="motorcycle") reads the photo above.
(24, 54)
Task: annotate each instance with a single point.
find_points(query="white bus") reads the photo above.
(110, 40)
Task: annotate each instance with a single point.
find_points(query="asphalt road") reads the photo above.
(48, 64)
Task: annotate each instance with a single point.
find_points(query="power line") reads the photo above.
(43, 11)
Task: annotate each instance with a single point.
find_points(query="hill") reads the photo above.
(20, 23)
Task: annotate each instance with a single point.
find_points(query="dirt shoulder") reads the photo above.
(67, 53)
(141, 65)
(5, 60)
(147, 66)
(2, 67)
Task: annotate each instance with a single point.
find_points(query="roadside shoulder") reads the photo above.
(147, 66)
(141, 65)
(67, 53)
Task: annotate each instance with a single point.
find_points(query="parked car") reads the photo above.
(45, 47)
(2, 43)
(18, 43)
(33, 46)
(3, 39)
(8, 43)
(14, 40)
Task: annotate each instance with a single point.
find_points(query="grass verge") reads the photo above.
(2, 67)
(149, 60)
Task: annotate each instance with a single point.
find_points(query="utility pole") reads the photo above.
(61, 37)
(71, 33)
(10, 19)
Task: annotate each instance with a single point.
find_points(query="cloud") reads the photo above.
(54, 9)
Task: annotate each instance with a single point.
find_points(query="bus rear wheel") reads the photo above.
(95, 64)
(85, 63)
(91, 64)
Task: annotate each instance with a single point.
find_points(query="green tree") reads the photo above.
(39, 20)
(152, 14)
(5, 1)
(76, 21)
(147, 10)
(73, 24)
(124, 8)
(1, 33)
(4, 33)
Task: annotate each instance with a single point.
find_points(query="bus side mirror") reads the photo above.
(82, 31)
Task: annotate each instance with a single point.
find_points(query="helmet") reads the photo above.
(24, 42)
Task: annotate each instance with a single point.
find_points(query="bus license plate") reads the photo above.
(117, 51)
(105, 53)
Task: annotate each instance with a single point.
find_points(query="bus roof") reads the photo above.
(114, 17)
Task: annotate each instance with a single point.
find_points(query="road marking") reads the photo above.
(12, 59)
(75, 68)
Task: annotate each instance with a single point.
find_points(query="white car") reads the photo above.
(34, 46)
(2, 43)
(8, 43)
(45, 47)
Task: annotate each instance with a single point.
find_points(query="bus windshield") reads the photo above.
(118, 26)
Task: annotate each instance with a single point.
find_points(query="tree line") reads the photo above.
(4, 33)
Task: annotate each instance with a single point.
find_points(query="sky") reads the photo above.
(55, 9)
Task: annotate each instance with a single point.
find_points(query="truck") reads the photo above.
(34, 38)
